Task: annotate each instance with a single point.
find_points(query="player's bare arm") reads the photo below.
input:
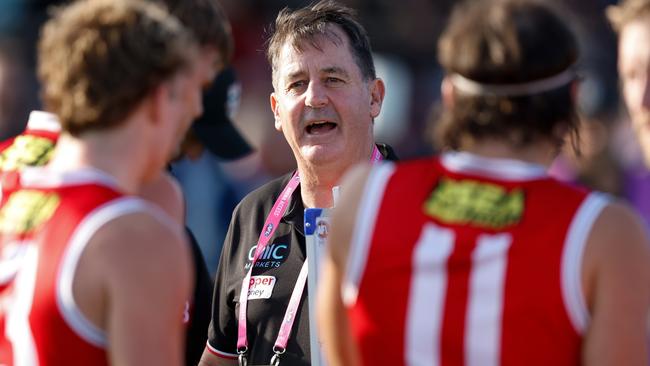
(332, 318)
(166, 193)
(143, 318)
(616, 274)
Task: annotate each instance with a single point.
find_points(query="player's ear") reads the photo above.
(275, 107)
(377, 93)
(447, 92)
(155, 102)
(575, 84)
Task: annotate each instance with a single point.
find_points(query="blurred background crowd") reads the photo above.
(403, 34)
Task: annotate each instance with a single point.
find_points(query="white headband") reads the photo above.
(472, 87)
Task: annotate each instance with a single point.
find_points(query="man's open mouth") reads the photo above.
(319, 127)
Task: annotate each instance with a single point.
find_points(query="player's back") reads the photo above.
(469, 261)
(46, 220)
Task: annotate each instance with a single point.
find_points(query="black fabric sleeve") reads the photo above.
(222, 332)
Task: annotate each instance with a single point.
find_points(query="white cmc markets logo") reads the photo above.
(271, 257)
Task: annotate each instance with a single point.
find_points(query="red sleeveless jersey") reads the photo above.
(463, 260)
(46, 220)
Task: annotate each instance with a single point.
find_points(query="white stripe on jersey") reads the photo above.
(574, 246)
(427, 296)
(485, 300)
(18, 330)
(43, 121)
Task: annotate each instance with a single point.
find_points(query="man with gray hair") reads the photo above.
(326, 96)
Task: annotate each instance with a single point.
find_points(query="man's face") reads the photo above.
(199, 77)
(633, 65)
(209, 64)
(185, 97)
(323, 105)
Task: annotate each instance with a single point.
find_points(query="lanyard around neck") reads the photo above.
(270, 225)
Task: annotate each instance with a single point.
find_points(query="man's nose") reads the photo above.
(316, 95)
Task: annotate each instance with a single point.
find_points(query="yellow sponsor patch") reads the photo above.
(26, 210)
(475, 203)
(26, 151)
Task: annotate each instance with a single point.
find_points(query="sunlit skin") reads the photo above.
(185, 103)
(634, 66)
(201, 74)
(325, 109)
(208, 65)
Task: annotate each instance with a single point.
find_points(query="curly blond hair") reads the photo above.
(98, 59)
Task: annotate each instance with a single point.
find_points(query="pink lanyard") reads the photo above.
(270, 225)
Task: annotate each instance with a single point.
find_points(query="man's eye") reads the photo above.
(296, 85)
(333, 80)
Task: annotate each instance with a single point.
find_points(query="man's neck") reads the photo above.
(316, 186)
(539, 152)
(317, 180)
(100, 153)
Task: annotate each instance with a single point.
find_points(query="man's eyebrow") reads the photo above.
(295, 75)
(335, 70)
(327, 70)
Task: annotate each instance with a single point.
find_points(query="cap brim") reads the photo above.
(214, 128)
(223, 139)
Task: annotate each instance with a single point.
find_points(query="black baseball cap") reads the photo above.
(214, 128)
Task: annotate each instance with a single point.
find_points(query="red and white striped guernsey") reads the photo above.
(46, 220)
(464, 260)
(34, 146)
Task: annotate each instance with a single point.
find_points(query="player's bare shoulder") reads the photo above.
(347, 206)
(618, 236)
(616, 273)
(140, 240)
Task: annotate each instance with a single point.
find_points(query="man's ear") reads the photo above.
(377, 93)
(157, 101)
(447, 92)
(575, 89)
(275, 107)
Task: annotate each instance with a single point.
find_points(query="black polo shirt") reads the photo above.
(276, 273)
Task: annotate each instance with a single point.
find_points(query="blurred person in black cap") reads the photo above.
(214, 129)
(208, 191)
(211, 28)
(208, 196)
